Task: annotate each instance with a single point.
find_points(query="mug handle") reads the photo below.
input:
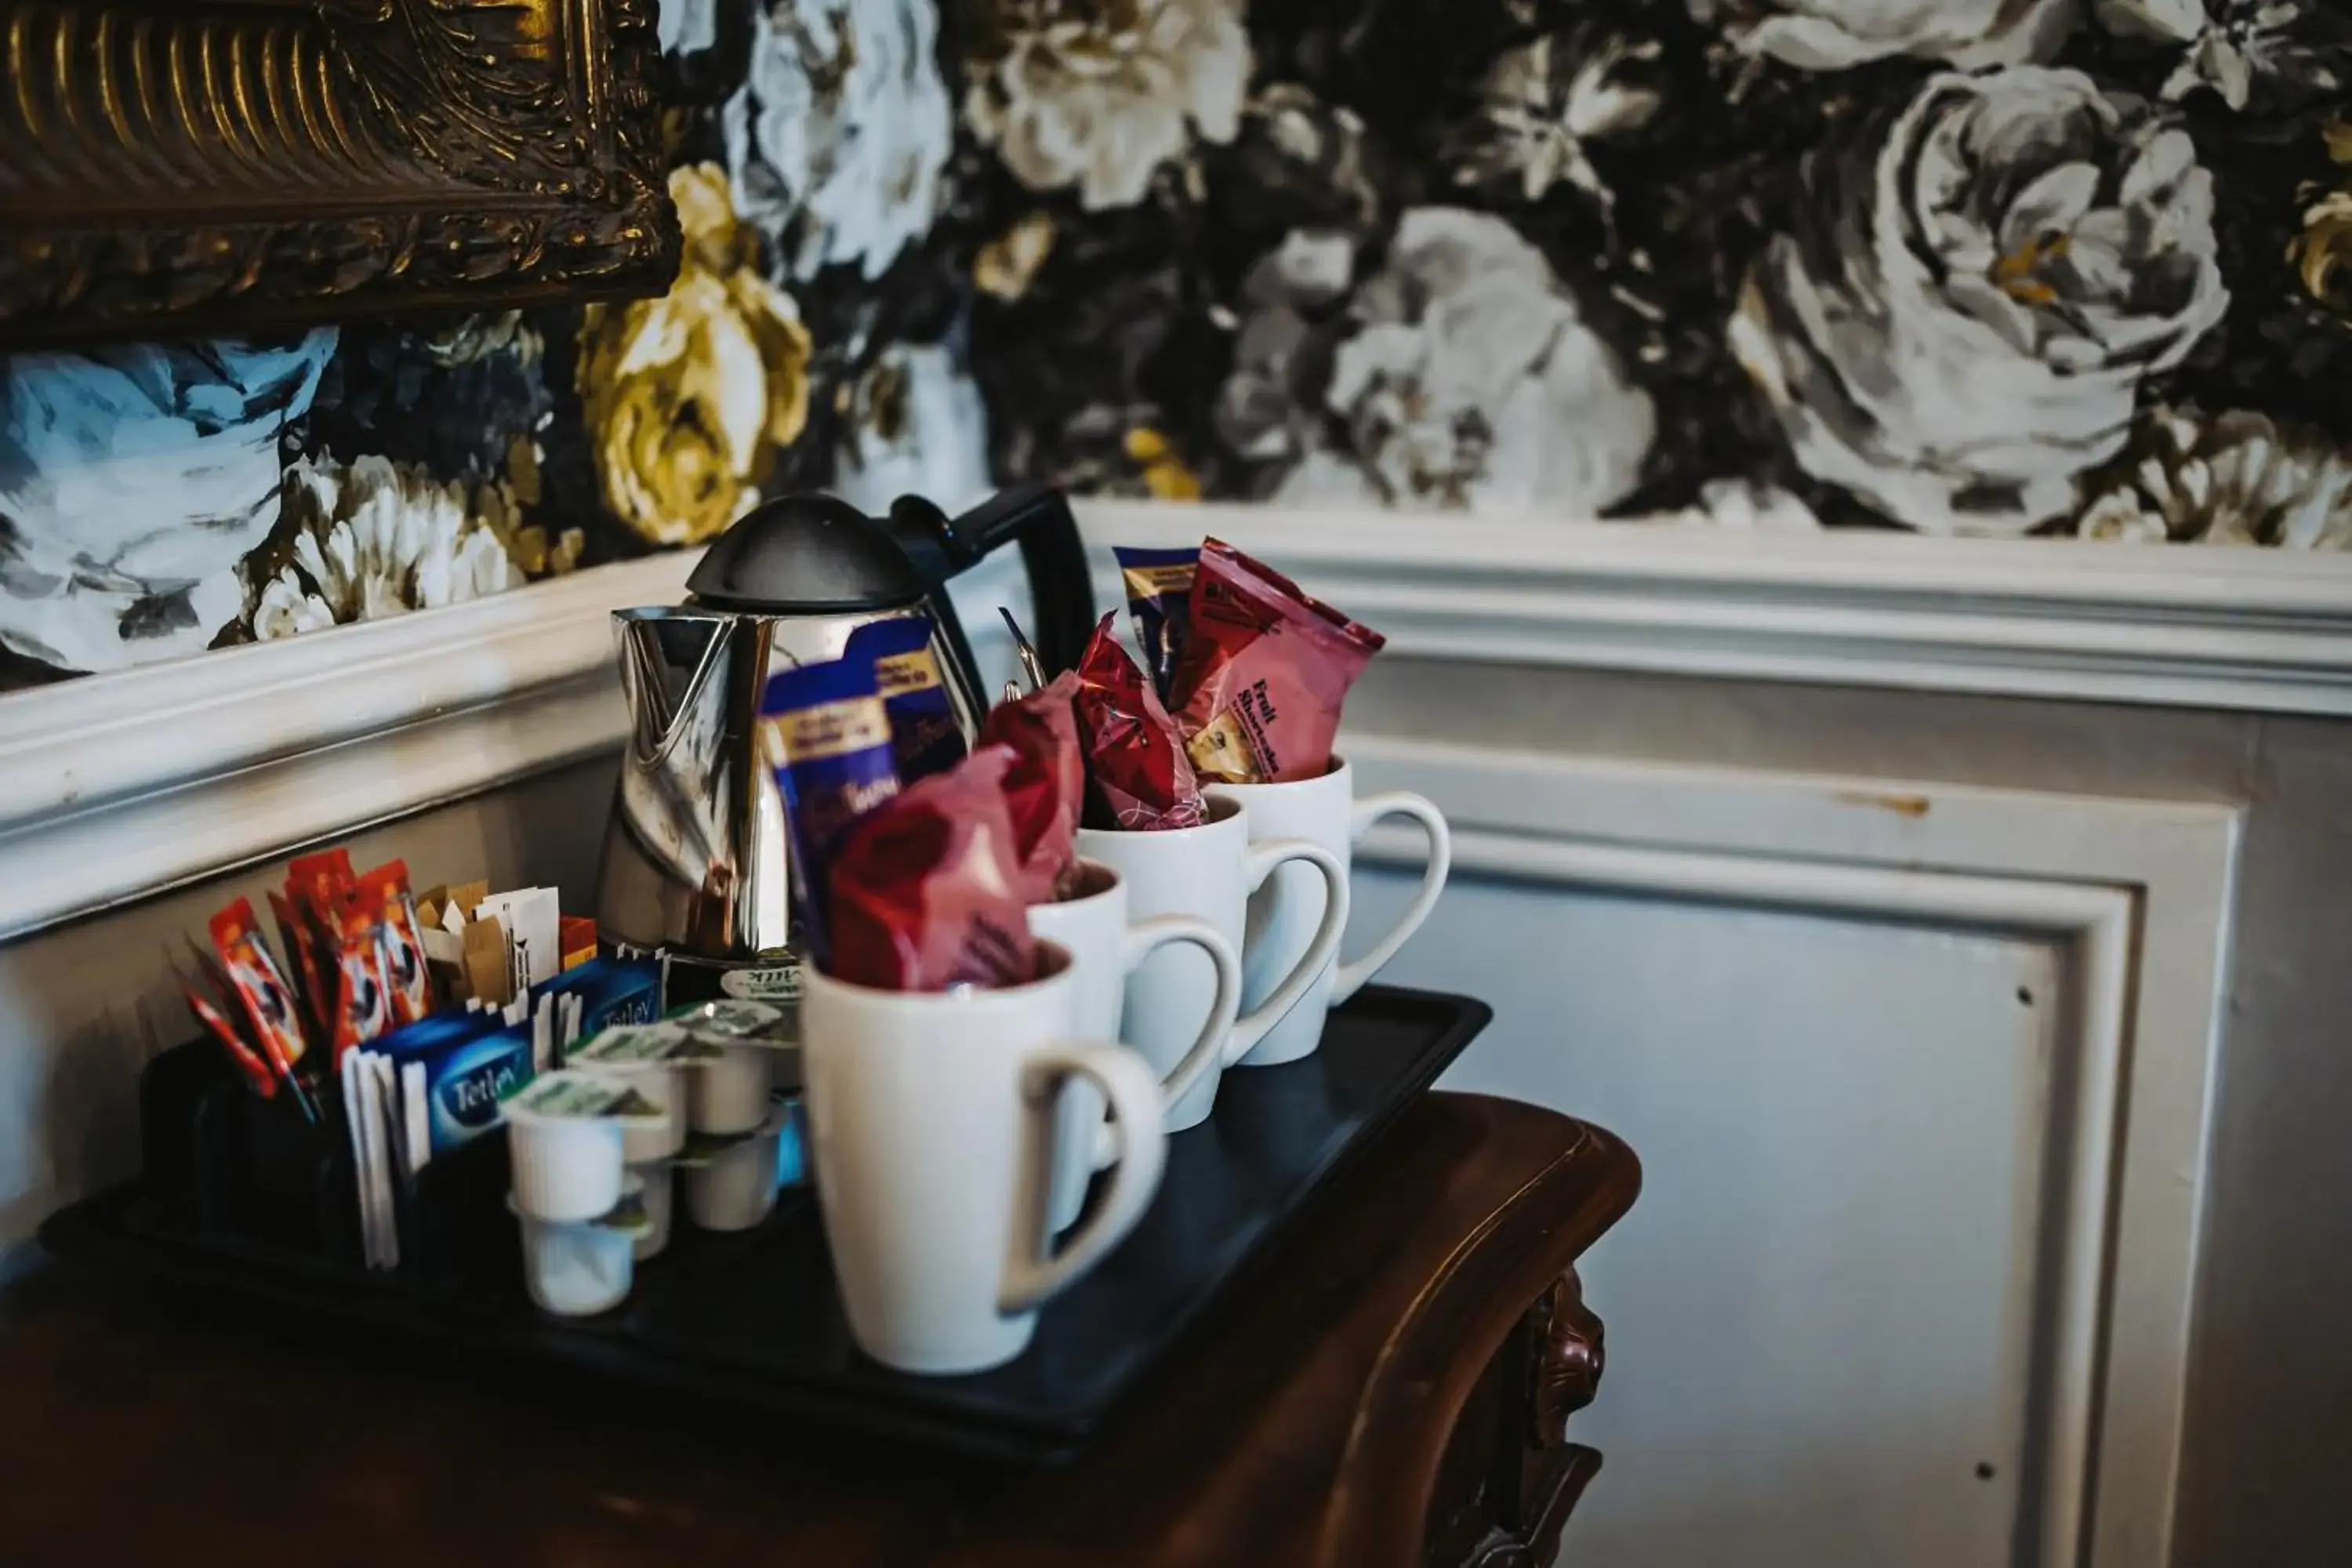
(1264, 857)
(1149, 936)
(1350, 978)
(1133, 1091)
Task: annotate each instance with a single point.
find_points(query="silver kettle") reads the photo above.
(694, 862)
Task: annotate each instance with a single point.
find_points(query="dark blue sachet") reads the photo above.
(827, 737)
(924, 737)
(1158, 593)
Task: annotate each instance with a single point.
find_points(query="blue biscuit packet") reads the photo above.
(474, 1063)
(1160, 597)
(828, 739)
(924, 738)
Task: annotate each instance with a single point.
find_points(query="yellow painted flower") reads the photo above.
(2323, 250)
(687, 398)
(1008, 264)
(1165, 473)
(2327, 251)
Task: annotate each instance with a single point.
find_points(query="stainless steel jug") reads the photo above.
(695, 863)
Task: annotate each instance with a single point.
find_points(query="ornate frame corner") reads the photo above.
(179, 167)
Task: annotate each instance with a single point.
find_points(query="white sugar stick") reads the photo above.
(383, 1155)
(356, 1126)
(420, 1118)
(368, 1132)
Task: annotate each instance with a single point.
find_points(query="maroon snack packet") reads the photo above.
(1265, 669)
(1046, 791)
(925, 890)
(1138, 776)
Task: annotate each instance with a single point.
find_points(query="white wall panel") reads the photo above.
(1913, 1071)
(1821, 1314)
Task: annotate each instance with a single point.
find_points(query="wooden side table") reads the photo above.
(1394, 1390)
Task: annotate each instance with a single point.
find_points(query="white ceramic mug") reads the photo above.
(1209, 872)
(1093, 924)
(1283, 913)
(933, 1121)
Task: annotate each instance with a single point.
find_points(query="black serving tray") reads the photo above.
(754, 1321)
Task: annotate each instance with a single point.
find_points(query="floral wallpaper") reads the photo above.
(2001, 268)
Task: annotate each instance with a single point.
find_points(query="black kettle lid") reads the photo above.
(806, 554)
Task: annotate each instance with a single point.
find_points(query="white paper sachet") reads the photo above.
(533, 925)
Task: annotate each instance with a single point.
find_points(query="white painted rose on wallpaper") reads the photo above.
(2237, 479)
(1831, 35)
(686, 25)
(377, 538)
(1270, 409)
(1543, 104)
(916, 426)
(1745, 506)
(1960, 323)
(2290, 50)
(1470, 380)
(1099, 93)
(836, 139)
(132, 480)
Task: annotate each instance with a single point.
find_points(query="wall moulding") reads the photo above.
(2171, 626)
(2251, 632)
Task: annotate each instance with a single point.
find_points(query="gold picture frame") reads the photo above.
(185, 167)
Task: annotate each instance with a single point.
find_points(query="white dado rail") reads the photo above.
(118, 786)
(115, 785)
(2061, 618)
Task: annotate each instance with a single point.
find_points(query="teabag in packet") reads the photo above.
(828, 739)
(1139, 777)
(924, 739)
(1265, 669)
(1158, 588)
(1046, 791)
(473, 1063)
(926, 892)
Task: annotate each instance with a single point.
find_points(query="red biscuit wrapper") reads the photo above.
(408, 987)
(314, 880)
(313, 883)
(1142, 779)
(364, 1010)
(252, 975)
(925, 890)
(257, 1072)
(1046, 791)
(1264, 670)
(294, 930)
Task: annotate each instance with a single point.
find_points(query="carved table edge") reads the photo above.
(1461, 1319)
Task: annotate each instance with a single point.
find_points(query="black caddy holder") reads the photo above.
(245, 1196)
(239, 1175)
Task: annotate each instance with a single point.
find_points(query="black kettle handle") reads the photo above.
(1037, 517)
(1063, 586)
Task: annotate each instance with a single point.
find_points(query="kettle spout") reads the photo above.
(669, 658)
